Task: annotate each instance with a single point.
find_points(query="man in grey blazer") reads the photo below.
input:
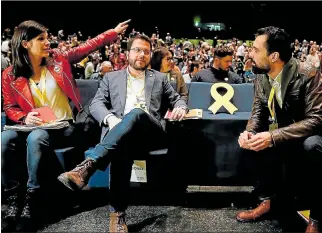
(130, 106)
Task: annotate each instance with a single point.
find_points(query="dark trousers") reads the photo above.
(281, 170)
(134, 136)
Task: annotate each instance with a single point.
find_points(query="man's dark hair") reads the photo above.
(193, 65)
(277, 41)
(223, 52)
(138, 37)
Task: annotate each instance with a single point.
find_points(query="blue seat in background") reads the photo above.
(199, 96)
(100, 178)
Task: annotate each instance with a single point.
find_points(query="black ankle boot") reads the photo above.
(14, 206)
(29, 212)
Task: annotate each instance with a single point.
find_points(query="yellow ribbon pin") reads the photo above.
(222, 100)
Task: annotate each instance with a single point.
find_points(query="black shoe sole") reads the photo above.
(68, 183)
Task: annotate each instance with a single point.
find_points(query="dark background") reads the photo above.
(301, 20)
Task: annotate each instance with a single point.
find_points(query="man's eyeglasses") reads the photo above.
(139, 51)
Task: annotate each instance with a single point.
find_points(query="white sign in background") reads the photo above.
(139, 172)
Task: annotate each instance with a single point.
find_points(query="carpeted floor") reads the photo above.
(202, 209)
(164, 219)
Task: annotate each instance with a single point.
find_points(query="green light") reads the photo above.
(196, 21)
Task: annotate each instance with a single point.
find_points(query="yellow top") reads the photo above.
(48, 93)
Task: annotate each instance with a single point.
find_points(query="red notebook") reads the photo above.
(46, 114)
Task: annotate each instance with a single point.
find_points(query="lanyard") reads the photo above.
(139, 93)
(169, 76)
(41, 93)
(271, 103)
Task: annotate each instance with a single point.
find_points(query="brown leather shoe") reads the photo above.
(255, 214)
(117, 222)
(79, 176)
(312, 227)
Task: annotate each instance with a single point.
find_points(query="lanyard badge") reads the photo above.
(274, 124)
(139, 103)
(41, 94)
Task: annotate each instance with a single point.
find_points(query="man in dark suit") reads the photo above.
(285, 127)
(130, 106)
(220, 71)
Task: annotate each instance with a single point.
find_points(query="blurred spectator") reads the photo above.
(5, 50)
(220, 71)
(74, 41)
(104, 68)
(161, 61)
(90, 66)
(118, 59)
(168, 39)
(241, 51)
(133, 33)
(193, 69)
(61, 35)
(313, 58)
(296, 48)
(248, 74)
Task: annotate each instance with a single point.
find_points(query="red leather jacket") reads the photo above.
(17, 97)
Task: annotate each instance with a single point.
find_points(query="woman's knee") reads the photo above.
(8, 137)
(38, 136)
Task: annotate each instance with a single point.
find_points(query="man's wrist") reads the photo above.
(107, 117)
(272, 140)
(184, 108)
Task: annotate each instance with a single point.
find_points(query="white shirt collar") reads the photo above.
(141, 75)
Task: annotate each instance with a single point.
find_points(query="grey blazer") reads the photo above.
(111, 96)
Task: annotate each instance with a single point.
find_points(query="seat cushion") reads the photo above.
(69, 157)
(87, 88)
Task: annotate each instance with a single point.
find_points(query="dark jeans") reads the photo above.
(38, 144)
(135, 135)
(281, 170)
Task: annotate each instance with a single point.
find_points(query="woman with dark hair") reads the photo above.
(39, 77)
(162, 61)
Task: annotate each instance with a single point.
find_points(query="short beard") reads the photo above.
(258, 70)
(224, 71)
(132, 64)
